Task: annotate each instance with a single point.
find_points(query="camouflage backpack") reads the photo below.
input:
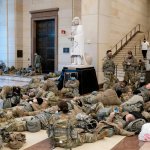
(85, 122)
(44, 117)
(62, 133)
(20, 125)
(7, 103)
(135, 103)
(136, 125)
(33, 125)
(1, 142)
(27, 106)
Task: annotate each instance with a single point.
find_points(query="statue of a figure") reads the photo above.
(77, 38)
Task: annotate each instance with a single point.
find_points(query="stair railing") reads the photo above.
(125, 39)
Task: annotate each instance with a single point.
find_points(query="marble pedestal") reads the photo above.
(86, 76)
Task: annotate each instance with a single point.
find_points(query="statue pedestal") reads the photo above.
(147, 77)
(86, 76)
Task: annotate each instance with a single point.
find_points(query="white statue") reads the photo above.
(77, 38)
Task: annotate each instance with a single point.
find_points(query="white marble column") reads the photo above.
(104, 29)
(3, 30)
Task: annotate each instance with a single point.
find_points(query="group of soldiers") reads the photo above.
(29, 71)
(71, 119)
(134, 70)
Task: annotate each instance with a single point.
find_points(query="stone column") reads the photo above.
(19, 31)
(104, 30)
(3, 31)
(96, 22)
(89, 19)
(9, 29)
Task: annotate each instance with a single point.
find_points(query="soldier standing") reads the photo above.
(129, 66)
(109, 70)
(141, 70)
(37, 63)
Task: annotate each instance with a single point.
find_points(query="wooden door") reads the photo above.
(45, 43)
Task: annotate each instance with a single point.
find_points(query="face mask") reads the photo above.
(72, 78)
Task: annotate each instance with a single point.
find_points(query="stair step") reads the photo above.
(119, 58)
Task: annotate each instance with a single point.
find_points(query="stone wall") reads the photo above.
(107, 21)
(64, 22)
(3, 30)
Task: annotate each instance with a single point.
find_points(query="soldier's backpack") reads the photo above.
(102, 113)
(86, 123)
(27, 106)
(16, 140)
(20, 125)
(1, 103)
(62, 133)
(1, 142)
(33, 125)
(7, 102)
(44, 118)
(135, 103)
(136, 125)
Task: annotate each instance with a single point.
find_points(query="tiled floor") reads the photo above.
(13, 81)
(40, 141)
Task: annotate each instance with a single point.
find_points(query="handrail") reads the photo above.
(117, 47)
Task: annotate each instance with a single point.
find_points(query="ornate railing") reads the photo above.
(123, 42)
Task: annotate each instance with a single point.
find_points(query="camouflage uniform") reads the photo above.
(64, 134)
(129, 66)
(71, 88)
(37, 64)
(140, 73)
(109, 70)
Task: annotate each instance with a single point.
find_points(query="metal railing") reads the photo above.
(123, 42)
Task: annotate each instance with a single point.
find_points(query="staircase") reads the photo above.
(133, 44)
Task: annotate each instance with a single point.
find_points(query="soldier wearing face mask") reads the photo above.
(129, 66)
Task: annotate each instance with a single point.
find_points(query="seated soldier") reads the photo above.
(71, 87)
(122, 86)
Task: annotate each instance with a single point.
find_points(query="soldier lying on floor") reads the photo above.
(63, 132)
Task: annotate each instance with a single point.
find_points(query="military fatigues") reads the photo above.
(71, 88)
(62, 129)
(129, 66)
(109, 70)
(37, 64)
(140, 74)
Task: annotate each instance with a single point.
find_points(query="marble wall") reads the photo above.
(19, 31)
(3, 31)
(11, 29)
(64, 22)
(105, 23)
(109, 21)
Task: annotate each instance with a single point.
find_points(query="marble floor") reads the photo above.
(39, 141)
(14, 81)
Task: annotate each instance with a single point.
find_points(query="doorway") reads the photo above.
(45, 43)
(44, 34)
